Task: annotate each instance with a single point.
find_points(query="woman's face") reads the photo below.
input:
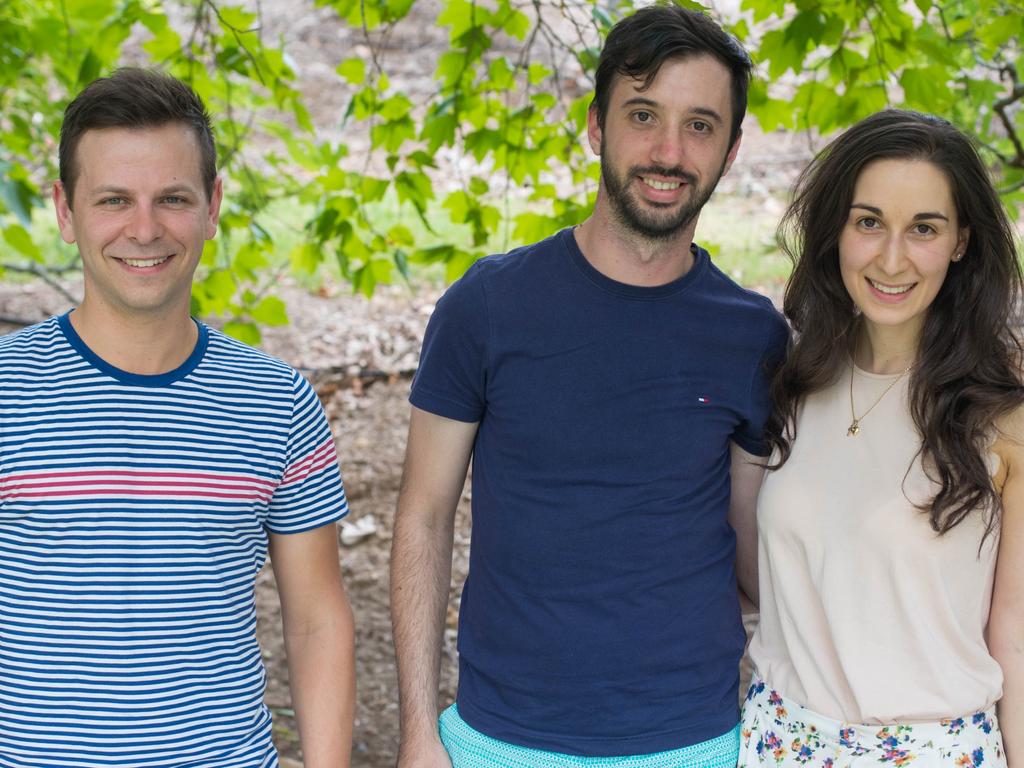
(901, 234)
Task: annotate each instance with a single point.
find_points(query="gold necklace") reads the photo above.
(854, 429)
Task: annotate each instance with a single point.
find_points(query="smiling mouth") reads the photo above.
(890, 290)
(661, 185)
(145, 262)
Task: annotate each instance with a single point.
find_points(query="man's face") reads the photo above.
(140, 219)
(664, 148)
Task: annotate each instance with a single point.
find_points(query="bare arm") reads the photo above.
(747, 472)
(319, 639)
(436, 459)
(1006, 619)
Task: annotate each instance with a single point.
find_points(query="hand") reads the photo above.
(430, 754)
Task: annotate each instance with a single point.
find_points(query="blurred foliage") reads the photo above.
(507, 114)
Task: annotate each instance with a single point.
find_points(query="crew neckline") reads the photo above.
(644, 292)
(880, 376)
(136, 379)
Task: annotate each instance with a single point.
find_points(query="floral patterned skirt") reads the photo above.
(782, 733)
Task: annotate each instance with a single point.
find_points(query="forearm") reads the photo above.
(421, 561)
(321, 671)
(1011, 705)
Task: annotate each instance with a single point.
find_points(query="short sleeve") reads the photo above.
(311, 493)
(750, 434)
(452, 375)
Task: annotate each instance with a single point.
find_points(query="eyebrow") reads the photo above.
(640, 101)
(917, 216)
(174, 189)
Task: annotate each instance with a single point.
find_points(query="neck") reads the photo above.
(627, 257)
(883, 349)
(145, 346)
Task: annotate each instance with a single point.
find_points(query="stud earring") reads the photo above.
(957, 256)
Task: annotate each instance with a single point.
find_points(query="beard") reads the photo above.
(650, 220)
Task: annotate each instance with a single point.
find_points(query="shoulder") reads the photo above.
(746, 311)
(506, 278)
(39, 336)
(230, 358)
(524, 260)
(1008, 445)
(757, 304)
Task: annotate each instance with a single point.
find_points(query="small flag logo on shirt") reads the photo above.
(703, 400)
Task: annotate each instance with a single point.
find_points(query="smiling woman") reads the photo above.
(891, 529)
(895, 249)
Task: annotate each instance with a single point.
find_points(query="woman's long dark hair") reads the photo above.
(968, 366)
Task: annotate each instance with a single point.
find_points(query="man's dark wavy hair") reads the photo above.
(639, 44)
(968, 368)
(135, 98)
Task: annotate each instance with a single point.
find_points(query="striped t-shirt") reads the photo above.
(134, 513)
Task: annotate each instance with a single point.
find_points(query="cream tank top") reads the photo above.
(867, 615)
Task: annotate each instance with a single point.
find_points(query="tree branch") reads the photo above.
(1001, 107)
(46, 275)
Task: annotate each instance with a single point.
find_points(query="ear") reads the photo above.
(594, 130)
(65, 218)
(213, 214)
(733, 151)
(962, 239)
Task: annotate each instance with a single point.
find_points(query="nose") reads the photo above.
(893, 256)
(143, 224)
(667, 148)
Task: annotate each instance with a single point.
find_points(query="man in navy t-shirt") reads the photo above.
(610, 384)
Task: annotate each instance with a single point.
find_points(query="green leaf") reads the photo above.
(270, 311)
(537, 72)
(235, 17)
(517, 25)
(926, 88)
(164, 44)
(478, 186)
(16, 196)
(414, 187)
(305, 258)
(89, 69)
(459, 15)
(393, 134)
(216, 291)
(373, 189)
(439, 131)
(353, 70)
(21, 241)
(502, 76)
(395, 107)
(401, 235)
(247, 333)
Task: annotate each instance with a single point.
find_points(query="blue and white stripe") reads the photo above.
(134, 513)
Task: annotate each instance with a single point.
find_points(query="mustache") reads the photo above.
(657, 170)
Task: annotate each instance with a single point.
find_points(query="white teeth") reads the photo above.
(890, 290)
(661, 184)
(145, 262)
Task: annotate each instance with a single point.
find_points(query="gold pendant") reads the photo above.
(854, 429)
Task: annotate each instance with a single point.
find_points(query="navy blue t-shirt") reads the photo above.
(600, 615)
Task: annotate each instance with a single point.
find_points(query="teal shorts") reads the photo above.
(469, 748)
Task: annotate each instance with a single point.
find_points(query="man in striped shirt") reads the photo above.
(148, 465)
